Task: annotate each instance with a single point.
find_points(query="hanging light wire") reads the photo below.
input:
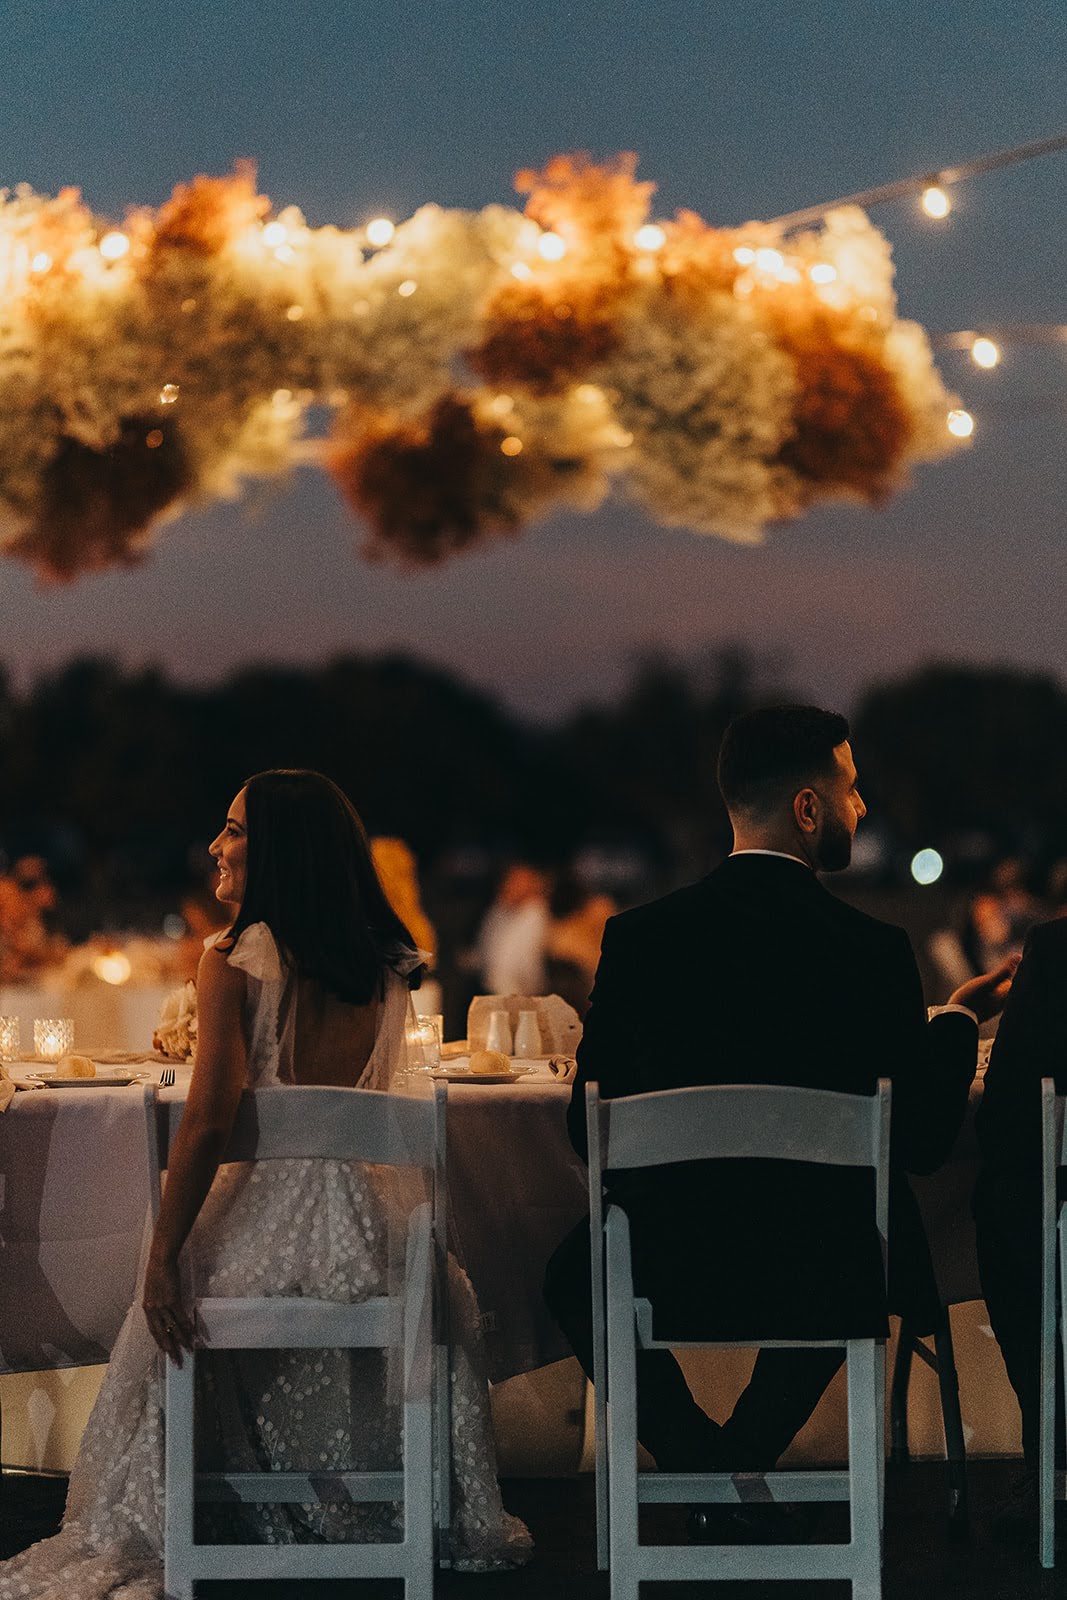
(902, 187)
(1009, 333)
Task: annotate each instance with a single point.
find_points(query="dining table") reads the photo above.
(74, 1202)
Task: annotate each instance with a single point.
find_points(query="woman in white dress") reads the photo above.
(308, 985)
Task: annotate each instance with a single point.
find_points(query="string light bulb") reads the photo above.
(275, 233)
(114, 245)
(769, 260)
(521, 270)
(744, 255)
(935, 202)
(511, 446)
(961, 424)
(985, 353)
(380, 231)
(550, 247)
(406, 289)
(650, 237)
(822, 272)
(168, 394)
(41, 261)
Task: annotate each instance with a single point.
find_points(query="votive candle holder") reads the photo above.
(53, 1037)
(9, 1038)
(426, 1038)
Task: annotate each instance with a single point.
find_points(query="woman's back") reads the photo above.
(297, 1031)
(332, 1041)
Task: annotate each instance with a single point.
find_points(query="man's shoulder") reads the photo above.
(862, 923)
(655, 916)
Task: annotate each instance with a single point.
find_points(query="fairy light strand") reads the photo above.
(936, 178)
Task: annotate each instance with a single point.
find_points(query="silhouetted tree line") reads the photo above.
(124, 775)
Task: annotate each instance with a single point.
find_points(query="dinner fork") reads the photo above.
(166, 1078)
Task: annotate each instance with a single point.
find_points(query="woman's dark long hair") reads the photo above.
(309, 876)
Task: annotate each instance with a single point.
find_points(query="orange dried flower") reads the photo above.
(204, 215)
(577, 197)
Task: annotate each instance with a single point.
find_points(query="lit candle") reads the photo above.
(53, 1037)
(9, 1038)
(425, 1035)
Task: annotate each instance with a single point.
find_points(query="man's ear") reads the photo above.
(806, 810)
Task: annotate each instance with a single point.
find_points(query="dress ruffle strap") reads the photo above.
(257, 954)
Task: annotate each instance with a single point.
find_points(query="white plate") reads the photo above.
(103, 1080)
(465, 1075)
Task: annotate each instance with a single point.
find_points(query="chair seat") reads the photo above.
(740, 1488)
(649, 1339)
(299, 1488)
(276, 1323)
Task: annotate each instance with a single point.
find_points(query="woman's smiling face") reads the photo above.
(230, 851)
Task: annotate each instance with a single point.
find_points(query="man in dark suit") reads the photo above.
(1031, 1044)
(758, 975)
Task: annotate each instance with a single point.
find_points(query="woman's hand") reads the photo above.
(168, 1322)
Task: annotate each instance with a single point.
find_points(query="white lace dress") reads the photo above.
(288, 1227)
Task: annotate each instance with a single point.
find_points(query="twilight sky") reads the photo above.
(739, 111)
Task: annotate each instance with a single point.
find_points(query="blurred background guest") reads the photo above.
(1056, 889)
(573, 945)
(1000, 916)
(398, 874)
(513, 935)
(27, 899)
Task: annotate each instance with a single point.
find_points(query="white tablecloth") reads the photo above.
(73, 1200)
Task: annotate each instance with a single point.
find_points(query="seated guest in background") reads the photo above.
(804, 990)
(1000, 916)
(398, 874)
(574, 935)
(1031, 1044)
(27, 944)
(511, 943)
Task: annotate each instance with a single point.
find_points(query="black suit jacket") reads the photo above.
(1031, 1044)
(758, 975)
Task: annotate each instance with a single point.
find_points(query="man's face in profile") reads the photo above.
(842, 809)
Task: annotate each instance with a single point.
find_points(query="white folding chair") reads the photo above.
(1050, 1483)
(727, 1122)
(283, 1123)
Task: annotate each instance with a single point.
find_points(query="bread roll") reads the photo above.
(489, 1061)
(75, 1067)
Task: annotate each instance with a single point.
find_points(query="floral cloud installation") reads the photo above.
(479, 368)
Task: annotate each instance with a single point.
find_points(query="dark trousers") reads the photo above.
(784, 1389)
(1007, 1213)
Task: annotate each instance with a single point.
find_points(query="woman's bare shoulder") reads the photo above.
(216, 973)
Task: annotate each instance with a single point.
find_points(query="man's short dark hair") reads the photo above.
(767, 755)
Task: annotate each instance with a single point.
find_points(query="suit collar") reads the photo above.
(785, 873)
